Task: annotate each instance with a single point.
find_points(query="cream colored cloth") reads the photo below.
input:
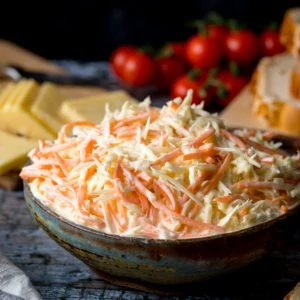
(14, 284)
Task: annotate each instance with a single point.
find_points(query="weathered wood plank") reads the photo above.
(58, 275)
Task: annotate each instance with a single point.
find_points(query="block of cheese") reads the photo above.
(26, 96)
(13, 151)
(8, 103)
(21, 122)
(46, 107)
(290, 31)
(14, 111)
(93, 108)
(6, 92)
(273, 94)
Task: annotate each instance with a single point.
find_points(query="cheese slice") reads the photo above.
(11, 98)
(92, 108)
(26, 96)
(15, 116)
(13, 151)
(6, 92)
(46, 107)
(22, 123)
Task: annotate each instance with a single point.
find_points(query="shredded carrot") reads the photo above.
(61, 163)
(87, 150)
(243, 211)
(57, 148)
(185, 220)
(221, 171)
(250, 132)
(268, 160)
(261, 185)
(262, 148)
(203, 152)
(145, 205)
(202, 137)
(162, 173)
(136, 118)
(210, 160)
(167, 193)
(194, 186)
(228, 198)
(234, 138)
(117, 171)
(174, 105)
(284, 209)
(67, 127)
(268, 135)
(168, 157)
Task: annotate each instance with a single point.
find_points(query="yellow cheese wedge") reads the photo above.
(6, 92)
(15, 116)
(9, 103)
(22, 123)
(46, 107)
(92, 108)
(26, 96)
(13, 151)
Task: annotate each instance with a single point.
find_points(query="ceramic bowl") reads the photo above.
(140, 262)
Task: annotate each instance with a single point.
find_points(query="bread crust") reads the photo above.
(295, 81)
(294, 294)
(277, 113)
(289, 32)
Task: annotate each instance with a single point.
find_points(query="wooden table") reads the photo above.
(58, 275)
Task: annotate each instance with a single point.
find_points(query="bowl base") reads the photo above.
(162, 290)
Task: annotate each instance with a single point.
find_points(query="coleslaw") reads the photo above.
(169, 173)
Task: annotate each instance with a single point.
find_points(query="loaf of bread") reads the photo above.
(290, 31)
(294, 294)
(275, 86)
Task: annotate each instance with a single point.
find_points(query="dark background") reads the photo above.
(90, 29)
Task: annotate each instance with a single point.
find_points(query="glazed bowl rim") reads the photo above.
(160, 242)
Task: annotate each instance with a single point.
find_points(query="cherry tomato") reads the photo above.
(138, 69)
(270, 43)
(218, 32)
(168, 69)
(231, 86)
(203, 51)
(119, 57)
(181, 86)
(241, 46)
(175, 49)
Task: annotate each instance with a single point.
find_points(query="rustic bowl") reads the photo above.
(151, 264)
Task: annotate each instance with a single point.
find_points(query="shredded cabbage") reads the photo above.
(168, 173)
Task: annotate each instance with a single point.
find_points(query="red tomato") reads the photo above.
(241, 47)
(232, 84)
(203, 51)
(270, 43)
(138, 69)
(119, 57)
(168, 69)
(181, 86)
(218, 32)
(176, 49)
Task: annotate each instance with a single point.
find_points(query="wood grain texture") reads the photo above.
(14, 54)
(239, 114)
(58, 275)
